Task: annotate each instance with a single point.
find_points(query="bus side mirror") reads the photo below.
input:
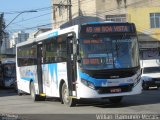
(79, 59)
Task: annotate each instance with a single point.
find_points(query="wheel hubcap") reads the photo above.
(65, 97)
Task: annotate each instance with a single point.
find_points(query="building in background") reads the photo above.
(144, 13)
(41, 30)
(67, 13)
(5, 44)
(34, 34)
(18, 37)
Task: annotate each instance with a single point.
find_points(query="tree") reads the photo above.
(2, 26)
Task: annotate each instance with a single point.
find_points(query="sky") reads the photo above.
(26, 21)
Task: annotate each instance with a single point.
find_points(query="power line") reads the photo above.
(32, 18)
(13, 12)
(98, 12)
(44, 8)
(37, 9)
(38, 26)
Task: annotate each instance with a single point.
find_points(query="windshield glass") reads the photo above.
(151, 70)
(103, 52)
(9, 70)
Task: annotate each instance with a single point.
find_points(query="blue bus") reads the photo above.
(9, 74)
(1, 75)
(91, 60)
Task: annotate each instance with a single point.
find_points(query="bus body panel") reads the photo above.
(26, 75)
(52, 75)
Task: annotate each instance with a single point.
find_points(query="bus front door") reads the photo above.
(71, 65)
(39, 68)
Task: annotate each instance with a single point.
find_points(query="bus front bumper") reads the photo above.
(86, 92)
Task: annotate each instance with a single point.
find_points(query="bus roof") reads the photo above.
(49, 34)
(104, 22)
(56, 32)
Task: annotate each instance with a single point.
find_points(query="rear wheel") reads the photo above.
(115, 99)
(67, 100)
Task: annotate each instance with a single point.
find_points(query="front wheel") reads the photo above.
(115, 100)
(67, 100)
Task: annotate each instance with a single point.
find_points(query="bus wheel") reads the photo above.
(32, 91)
(65, 98)
(115, 100)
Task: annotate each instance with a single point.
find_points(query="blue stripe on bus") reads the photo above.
(96, 82)
(53, 72)
(53, 34)
(124, 84)
(27, 79)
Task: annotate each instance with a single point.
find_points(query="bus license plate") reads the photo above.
(115, 90)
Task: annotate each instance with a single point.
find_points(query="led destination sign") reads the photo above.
(107, 28)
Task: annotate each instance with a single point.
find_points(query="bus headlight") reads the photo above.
(88, 84)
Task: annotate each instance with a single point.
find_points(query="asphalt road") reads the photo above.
(11, 104)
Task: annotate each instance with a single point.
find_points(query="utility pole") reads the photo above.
(79, 12)
(61, 5)
(70, 11)
(79, 8)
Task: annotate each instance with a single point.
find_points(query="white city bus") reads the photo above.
(92, 60)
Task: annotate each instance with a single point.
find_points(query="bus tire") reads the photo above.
(69, 101)
(32, 92)
(115, 100)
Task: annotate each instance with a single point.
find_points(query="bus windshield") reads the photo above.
(109, 52)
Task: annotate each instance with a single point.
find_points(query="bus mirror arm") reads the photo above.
(79, 61)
